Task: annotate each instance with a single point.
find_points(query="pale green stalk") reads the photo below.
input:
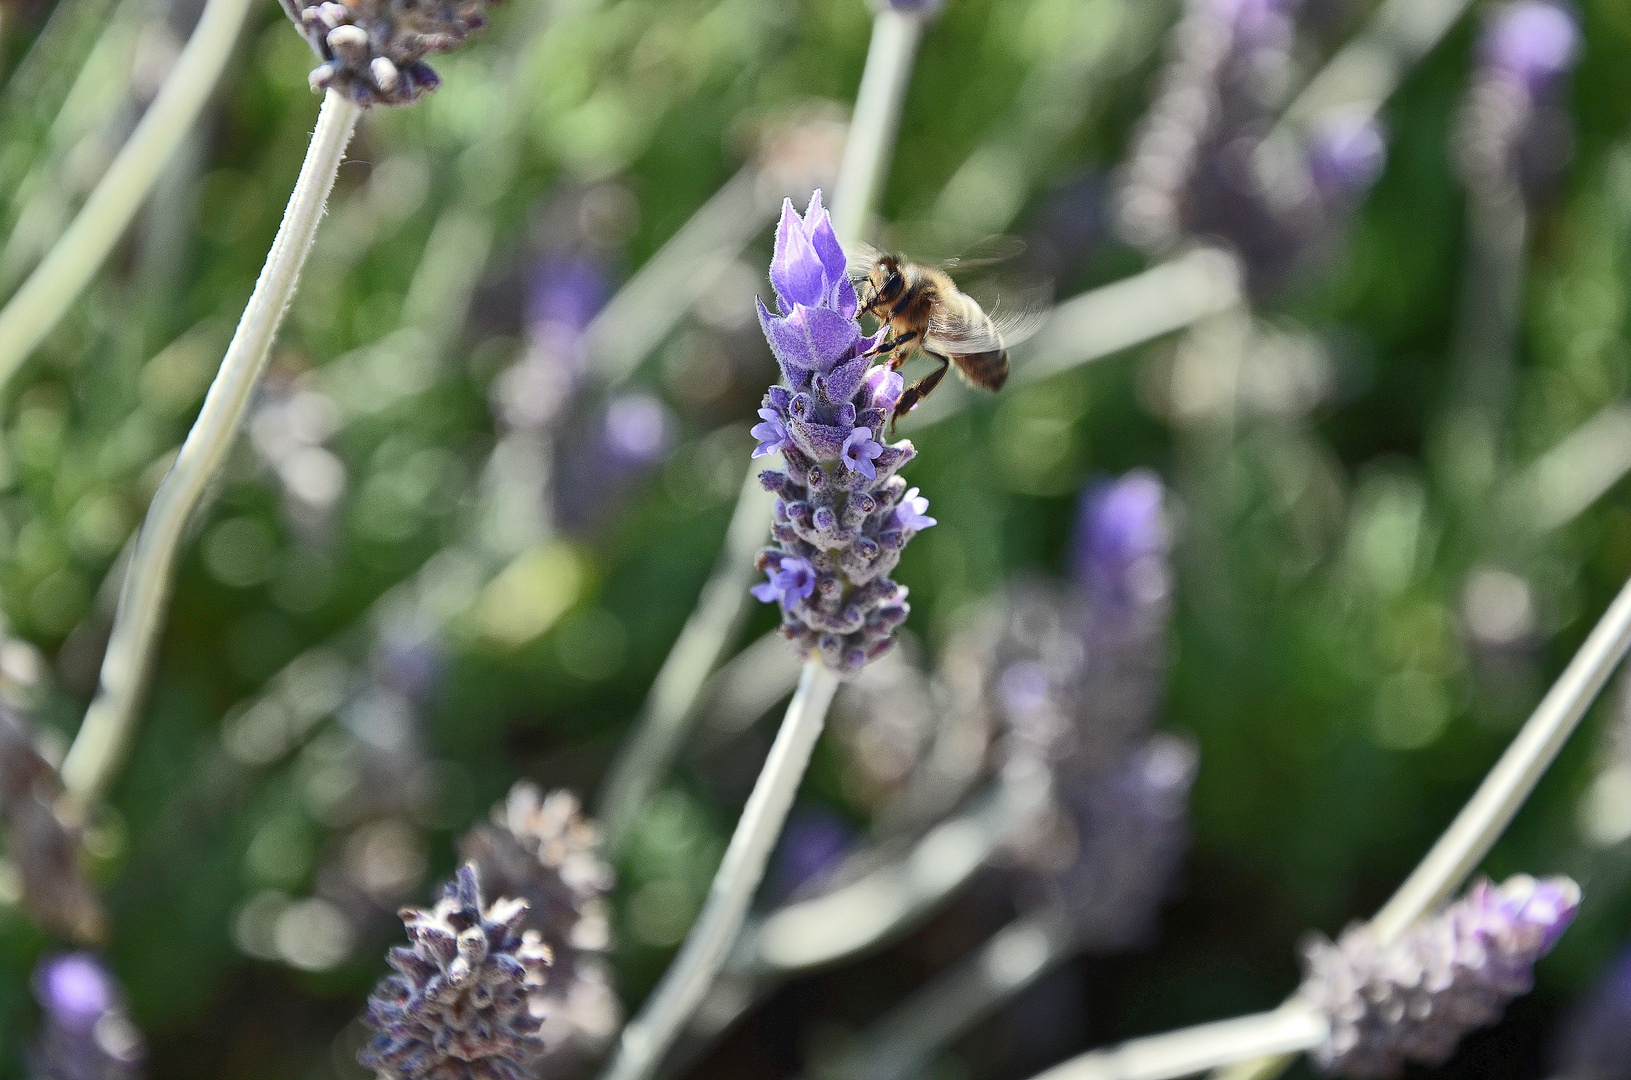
(648, 1036)
(56, 283)
(1288, 1030)
(105, 734)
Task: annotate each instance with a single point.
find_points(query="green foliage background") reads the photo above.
(1320, 654)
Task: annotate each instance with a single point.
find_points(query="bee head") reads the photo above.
(887, 281)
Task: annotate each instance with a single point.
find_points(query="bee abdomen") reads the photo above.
(987, 370)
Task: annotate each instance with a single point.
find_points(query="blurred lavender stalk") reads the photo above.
(86, 1034)
(1513, 141)
(50, 291)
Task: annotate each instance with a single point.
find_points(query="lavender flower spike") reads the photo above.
(842, 513)
(1414, 1000)
(373, 51)
(85, 1034)
(457, 1008)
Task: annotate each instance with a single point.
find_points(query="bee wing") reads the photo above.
(987, 251)
(962, 326)
(860, 256)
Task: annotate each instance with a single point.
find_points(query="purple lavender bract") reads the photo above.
(842, 515)
(1414, 1000)
(457, 1009)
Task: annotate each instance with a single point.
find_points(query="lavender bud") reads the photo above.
(372, 51)
(829, 570)
(1414, 1000)
(458, 1006)
(41, 841)
(86, 1034)
(541, 849)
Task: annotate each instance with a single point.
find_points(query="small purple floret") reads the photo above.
(860, 451)
(771, 433)
(1532, 41)
(793, 581)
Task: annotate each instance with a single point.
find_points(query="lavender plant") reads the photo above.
(1415, 999)
(540, 849)
(458, 1007)
(842, 515)
(86, 1034)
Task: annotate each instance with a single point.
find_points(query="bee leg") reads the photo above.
(890, 344)
(919, 390)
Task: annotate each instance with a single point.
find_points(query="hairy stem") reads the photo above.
(649, 1034)
(50, 291)
(105, 734)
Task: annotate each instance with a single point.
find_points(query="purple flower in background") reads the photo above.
(1346, 154)
(1123, 540)
(1201, 167)
(814, 842)
(1515, 133)
(792, 581)
(771, 433)
(1596, 1040)
(1531, 41)
(836, 528)
(1415, 999)
(631, 436)
(565, 293)
(86, 1034)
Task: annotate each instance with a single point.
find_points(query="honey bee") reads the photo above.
(924, 311)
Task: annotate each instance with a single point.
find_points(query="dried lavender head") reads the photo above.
(541, 849)
(373, 51)
(41, 839)
(1416, 999)
(457, 1007)
(842, 515)
(1596, 1040)
(1515, 133)
(86, 1034)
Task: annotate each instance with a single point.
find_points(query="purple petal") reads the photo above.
(766, 591)
(796, 269)
(832, 336)
(885, 387)
(789, 343)
(840, 293)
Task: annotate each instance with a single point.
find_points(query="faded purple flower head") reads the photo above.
(1346, 154)
(1415, 999)
(458, 1005)
(1123, 540)
(86, 1034)
(637, 430)
(814, 841)
(837, 529)
(567, 291)
(1595, 1043)
(373, 51)
(1531, 41)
